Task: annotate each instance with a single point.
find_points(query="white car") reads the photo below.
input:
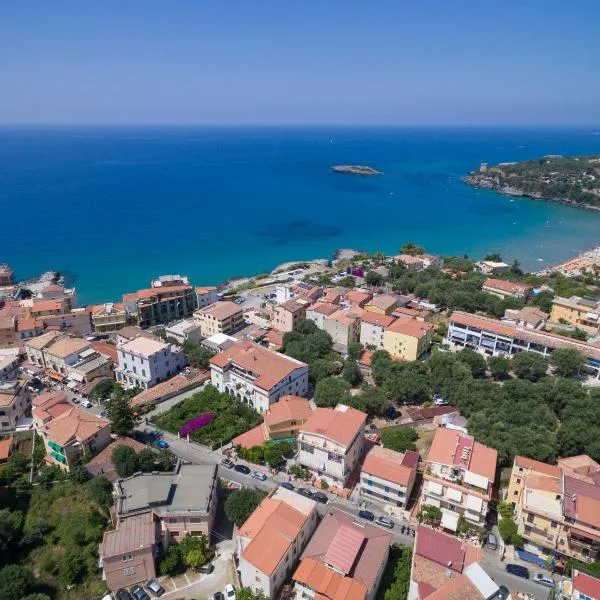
(229, 592)
(258, 475)
(86, 404)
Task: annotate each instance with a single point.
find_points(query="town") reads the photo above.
(371, 427)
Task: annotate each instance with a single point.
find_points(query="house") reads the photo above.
(161, 304)
(495, 338)
(184, 331)
(43, 308)
(109, 317)
(358, 297)
(77, 323)
(35, 347)
(344, 327)
(407, 339)
(383, 304)
(274, 340)
(388, 476)
(9, 367)
(445, 568)
(459, 477)
(412, 263)
(491, 266)
(63, 353)
(507, 289)
(15, 403)
(218, 342)
(319, 311)
(144, 362)
(557, 507)
(331, 441)
(6, 275)
(581, 312)
(102, 463)
(91, 365)
(334, 295)
(282, 421)
(307, 291)
(580, 587)
(220, 317)
(344, 560)
(55, 291)
(289, 313)
(257, 376)
(6, 446)
(372, 329)
(528, 317)
(186, 380)
(9, 337)
(28, 327)
(130, 332)
(271, 540)
(431, 260)
(404, 312)
(206, 295)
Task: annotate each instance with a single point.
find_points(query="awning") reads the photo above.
(584, 534)
(474, 503)
(58, 457)
(454, 495)
(54, 375)
(54, 446)
(449, 520)
(435, 488)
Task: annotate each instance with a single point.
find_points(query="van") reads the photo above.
(518, 570)
(543, 580)
(86, 404)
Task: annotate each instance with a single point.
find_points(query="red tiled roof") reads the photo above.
(250, 438)
(439, 548)
(509, 287)
(585, 584)
(344, 548)
(410, 327)
(340, 424)
(288, 408)
(390, 465)
(536, 465)
(377, 319)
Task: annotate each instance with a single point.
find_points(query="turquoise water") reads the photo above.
(115, 207)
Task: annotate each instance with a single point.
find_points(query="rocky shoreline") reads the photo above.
(361, 170)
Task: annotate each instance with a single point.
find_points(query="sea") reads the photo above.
(114, 207)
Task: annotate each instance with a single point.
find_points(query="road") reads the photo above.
(514, 583)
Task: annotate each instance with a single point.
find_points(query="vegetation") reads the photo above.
(127, 462)
(431, 515)
(120, 414)
(331, 391)
(233, 417)
(198, 356)
(411, 249)
(247, 593)
(567, 362)
(299, 472)
(271, 452)
(242, 503)
(400, 439)
(191, 551)
(395, 581)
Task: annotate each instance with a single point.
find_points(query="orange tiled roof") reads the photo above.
(377, 319)
(74, 424)
(410, 327)
(323, 308)
(384, 302)
(536, 465)
(224, 309)
(252, 437)
(388, 464)
(339, 424)
(288, 408)
(66, 346)
(205, 290)
(5, 446)
(158, 291)
(41, 341)
(170, 386)
(327, 583)
(509, 287)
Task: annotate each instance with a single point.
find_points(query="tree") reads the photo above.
(499, 367)
(395, 581)
(247, 593)
(543, 300)
(567, 361)
(15, 582)
(529, 365)
(515, 268)
(194, 550)
(79, 474)
(331, 391)
(411, 249)
(473, 360)
(354, 350)
(508, 531)
(493, 257)
(146, 461)
(400, 439)
(372, 401)
(125, 460)
(242, 503)
(373, 278)
(10, 527)
(36, 597)
(351, 373)
(16, 466)
(430, 514)
(198, 356)
(72, 568)
(100, 491)
(320, 369)
(172, 562)
(121, 415)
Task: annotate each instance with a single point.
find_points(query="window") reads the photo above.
(518, 480)
(554, 524)
(126, 557)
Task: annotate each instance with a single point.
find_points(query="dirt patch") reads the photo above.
(426, 435)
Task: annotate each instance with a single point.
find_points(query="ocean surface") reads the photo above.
(114, 207)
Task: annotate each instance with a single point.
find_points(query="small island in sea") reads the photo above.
(573, 180)
(355, 170)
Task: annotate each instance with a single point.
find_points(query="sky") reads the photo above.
(517, 62)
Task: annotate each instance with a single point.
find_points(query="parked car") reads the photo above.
(320, 497)
(123, 595)
(104, 413)
(86, 404)
(502, 594)
(242, 469)
(518, 570)
(373, 427)
(259, 475)
(155, 588)
(305, 492)
(218, 596)
(138, 593)
(229, 592)
(439, 401)
(227, 462)
(75, 400)
(161, 444)
(366, 514)
(543, 580)
(288, 486)
(207, 568)
(385, 522)
(491, 541)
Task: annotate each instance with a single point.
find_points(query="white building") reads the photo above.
(186, 330)
(270, 542)
(36, 346)
(65, 352)
(372, 329)
(206, 295)
(15, 402)
(319, 311)
(9, 367)
(331, 442)
(257, 376)
(144, 362)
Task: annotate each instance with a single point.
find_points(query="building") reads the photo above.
(319, 311)
(388, 477)
(282, 421)
(188, 379)
(407, 339)
(9, 367)
(412, 263)
(65, 352)
(188, 330)
(144, 362)
(257, 376)
(102, 463)
(288, 314)
(344, 560)
(15, 403)
(331, 443)
(580, 587)
(490, 266)
(206, 295)
(528, 317)
(109, 317)
(578, 311)
(77, 323)
(495, 338)
(91, 366)
(431, 260)
(218, 342)
(55, 291)
(358, 297)
(270, 542)
(28, 327)
(445, 568)
(6, 275)
(459, 477)
(35, 347)
(130, 332)
(557, 507)
(372, 329)
(306, 291)
(383, 304)
(507, 289)
(161, 304)
(220, 317)
(9, 337)
(344, 327)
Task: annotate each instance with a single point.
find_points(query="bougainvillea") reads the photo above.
(196, 423)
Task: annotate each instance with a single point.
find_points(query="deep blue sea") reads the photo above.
(114, 207)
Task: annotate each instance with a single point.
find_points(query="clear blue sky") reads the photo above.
(315, 61)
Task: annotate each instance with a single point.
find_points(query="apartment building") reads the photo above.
(581, 312)
(78, 322)
(581, 586)
(331, 442)
(206, 295)
(35, 347)
(130, 332)
(358, 298)
(459, 477)
(529, 317)
(220, 317)
(15, 403)
(161, 304)
(6, 275)
(257, 376)
(188, 330)
(407, 339)
(319, 311)
(9, 337)
(55, 291)
(388, 476)
(9, 367)
(109, 317)
(144, 362)
(557, 507)
(372, 329)
(343, 560)
(383, 304)
(270, 542)
(64, 353)
(344, 326)
(507, 289)
(288, 314)
(495, 338)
